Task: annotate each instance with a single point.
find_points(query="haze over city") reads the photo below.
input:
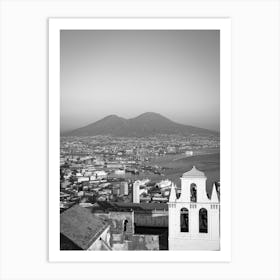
(127, 73)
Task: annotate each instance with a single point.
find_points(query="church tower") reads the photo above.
(194, 219)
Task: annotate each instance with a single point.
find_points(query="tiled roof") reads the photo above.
(81, 226)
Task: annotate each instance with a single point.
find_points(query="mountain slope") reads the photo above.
(147, 124)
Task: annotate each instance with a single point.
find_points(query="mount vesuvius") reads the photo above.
(147, 124)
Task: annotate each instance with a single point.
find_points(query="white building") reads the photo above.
(142, 191)
(194, 220)
(120, 172)
(189, 153)
(143, 182)
(97, 175)
(82, 179)
(124, 188)
(136, 192)
(164, 184)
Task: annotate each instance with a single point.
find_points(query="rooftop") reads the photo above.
(81, 227)
(194, 173)
(136, 207)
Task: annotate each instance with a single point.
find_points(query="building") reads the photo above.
(194, 219)
(116, 190)
(124, 188)
(97, 175)
(120, 172)
(171, 150)
(93, 228)
(164, 184)
(80, 230)
(82, 179)
(189, 153)
(136, 192)
(114, 165)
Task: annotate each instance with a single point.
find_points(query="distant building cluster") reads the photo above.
(131, 150)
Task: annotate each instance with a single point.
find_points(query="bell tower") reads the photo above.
(194, 219)
(193, 187)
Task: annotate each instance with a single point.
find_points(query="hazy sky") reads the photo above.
(127, 73)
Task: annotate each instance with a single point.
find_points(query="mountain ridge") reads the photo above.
(146, 124)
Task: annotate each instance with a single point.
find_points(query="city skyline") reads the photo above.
(128, 73)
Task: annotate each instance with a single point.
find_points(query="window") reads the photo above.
(125, 225)
(193, 191)
(184, 216)
(203, 220)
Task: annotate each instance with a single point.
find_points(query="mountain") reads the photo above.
(147, 124)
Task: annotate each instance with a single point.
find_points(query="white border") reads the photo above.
(55, 25)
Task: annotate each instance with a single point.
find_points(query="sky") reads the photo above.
(175, 73)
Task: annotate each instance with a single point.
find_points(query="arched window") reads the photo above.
(184, 216)
(125, 225)
(203, 220)
(193, 191)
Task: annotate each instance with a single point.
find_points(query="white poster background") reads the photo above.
(24, 139)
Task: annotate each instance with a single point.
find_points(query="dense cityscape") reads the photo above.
(104, 168)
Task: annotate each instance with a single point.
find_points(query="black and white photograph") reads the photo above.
(139, 143)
